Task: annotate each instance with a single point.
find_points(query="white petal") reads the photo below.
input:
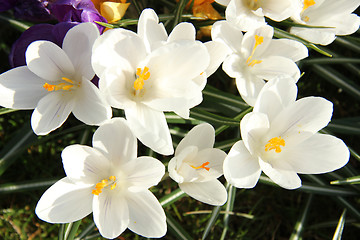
(151, 128)
(144, 173)
(117, 86)
(51, 112)
(150, 30)
(276, 66)
(315, 35)
(284, 178)
(223, 2)
(249, 86)
(277, 10)
(78, 44)
(48, 61)
(308, 114)
(346, 25)
(287, 48)
(172, 169)
(211, 192)
(21, 89)
(215, 158)
(192, 58)
(111, 214)
(147, 217)
(234, 66)
(65, 202)
(248, 41)
(116, 141)
(202, 136)
(319, 154)
(91, 107)
(218, 51)
(117, 47)
(241, 169)
(183, 31)
(243, 17)
(253, 127)
(84, 164)
(275, 96)
(226, 33)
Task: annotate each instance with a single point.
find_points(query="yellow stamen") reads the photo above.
(275, 143)
(202, 166)
(142, 76)
(258, 40)
(60, 86)
(306, 19)
(104, 183)
(308, 3)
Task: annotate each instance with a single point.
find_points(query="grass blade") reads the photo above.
(229, 208)
(176, 229)
(340, 226)
(8, 188)
(172, 197)
(211, 222)
(350, 180)
(299, 226)
(71, 230)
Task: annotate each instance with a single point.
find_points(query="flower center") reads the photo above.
(142, 76)
(308, 3)
(104, 183)
(258, 40)
(66, 85)
(252, 4)
(202, 166)
(275, 143)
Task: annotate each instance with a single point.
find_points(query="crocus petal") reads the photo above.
(48, 61)
(217, 51)
(241, 169)
(292, 49)
(117, 47)
(215, 158)
(249, 86)
(318, 154)
(226, 33)
(211, 192)
(285, 178)
(315, 35)
(182, 31)
(151, 128)
(111, 214)
(84, 164)
(275, 96)
(65, 202)
(150, 30)
(144, 173)
(90, 106)
(308, 114)
(223, 2)
(116, 141)
(78, 44)
(196, 137)
(276, 66)
(147, 217)
(51, 112)
(253, 126)
(277, 10)
(249, 41)
(21, 89)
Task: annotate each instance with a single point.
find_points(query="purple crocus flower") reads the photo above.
(76, 11)
(30, 10)
(53, 33)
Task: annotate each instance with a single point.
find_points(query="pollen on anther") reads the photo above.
(202, 166)
(274, 144)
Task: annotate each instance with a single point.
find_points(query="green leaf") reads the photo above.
(340, 226)
(19, 142)
(71, 230)
(21, 26)
(299, 226)
(350, 180)
(8, 188)
(334, 60)
(212, 118)
(176, 229)
(7, 110)
(172, 197)
(211, 222)
(229, 208)
(178, 12)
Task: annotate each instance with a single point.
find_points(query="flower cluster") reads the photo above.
(149, 72)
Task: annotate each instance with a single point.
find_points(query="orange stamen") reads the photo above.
(202, 166)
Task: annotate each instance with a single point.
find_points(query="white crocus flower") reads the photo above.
(256, 57)
(197, 165)
(57, 82)
(280, 138)
(145, 84)
(336, 16)
(250, 14)
(154, 35)
(110, 181)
